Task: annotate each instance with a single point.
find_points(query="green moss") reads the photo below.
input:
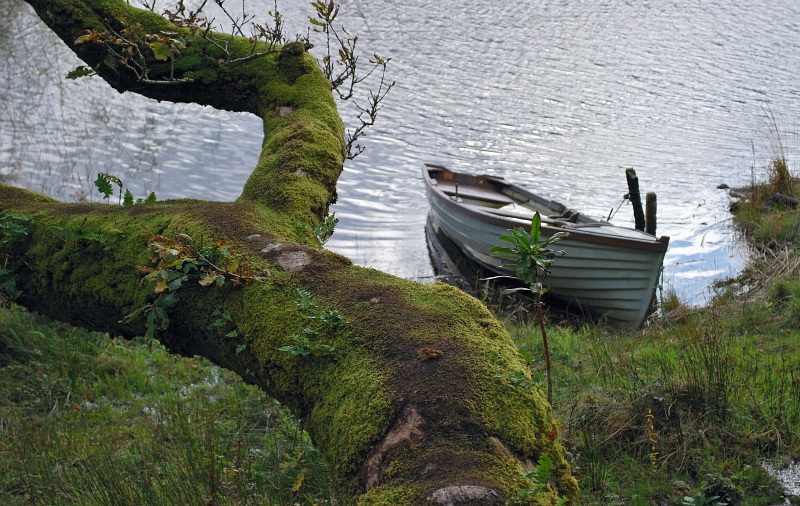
(104, 273)
(303, 148)
(302, 154)
(204, 76)
(498, 471)
(353, 410)
(342, 396)
(461, 389)
(291, 62)
(12, 197)
(517, 414)
(389, 496)
(111, 241)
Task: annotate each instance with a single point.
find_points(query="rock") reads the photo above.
(460, 494)
(294, 261)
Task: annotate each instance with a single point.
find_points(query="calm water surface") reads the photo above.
(561, 96)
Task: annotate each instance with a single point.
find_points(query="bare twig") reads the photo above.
(367, 115)
(340, 64)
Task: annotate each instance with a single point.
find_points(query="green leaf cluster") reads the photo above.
(518, 379)
(224, 319)
(310, 311)
(529, 253)
(307, 342)
(157, 314)
(13, 227)
(105, 185)
(539, 476)
(303, 345)
(80, 233)
(177, 261)
(128, 200)
(8, 286)
(324, 230)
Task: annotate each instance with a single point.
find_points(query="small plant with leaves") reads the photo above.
(307, 342)
(157, 316)
(178, 261)
(539, 477)
(105, 185)
(517, 379)
(75, 233)
(531, 257)
(324, 229)
(224, 321)
(13, 227)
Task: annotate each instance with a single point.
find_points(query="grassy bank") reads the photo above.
(678, 413)
(85, 419)
(686, 410)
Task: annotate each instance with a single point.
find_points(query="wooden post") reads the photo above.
(636, 198)
(650, 213)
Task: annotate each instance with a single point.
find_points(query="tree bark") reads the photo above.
(408, 400)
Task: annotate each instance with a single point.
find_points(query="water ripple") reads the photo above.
(560, 97)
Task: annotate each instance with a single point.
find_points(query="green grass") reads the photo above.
(701, 401)
(85, 419)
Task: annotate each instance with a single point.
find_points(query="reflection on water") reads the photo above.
(560, 97)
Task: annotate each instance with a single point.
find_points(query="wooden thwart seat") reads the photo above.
(474, 192)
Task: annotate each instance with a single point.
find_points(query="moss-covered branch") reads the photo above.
(407, 391)
(411, 397)
(303, 149)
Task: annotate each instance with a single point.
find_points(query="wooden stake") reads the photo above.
(636, 198)
(650, 213)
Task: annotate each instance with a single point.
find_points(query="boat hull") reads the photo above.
(608, 271)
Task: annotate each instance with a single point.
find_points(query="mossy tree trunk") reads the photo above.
(407, 397)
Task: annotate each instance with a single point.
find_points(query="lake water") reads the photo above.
(561, 96)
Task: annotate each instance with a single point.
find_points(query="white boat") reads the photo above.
(609, 271)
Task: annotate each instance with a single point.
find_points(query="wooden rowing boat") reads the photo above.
(607, 270)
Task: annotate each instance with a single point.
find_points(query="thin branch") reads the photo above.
(371, 113)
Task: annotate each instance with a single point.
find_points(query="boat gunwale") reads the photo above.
(576, 232)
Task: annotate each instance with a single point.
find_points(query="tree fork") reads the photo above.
(410, 404)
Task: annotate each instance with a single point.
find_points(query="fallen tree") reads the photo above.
(407, 389)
